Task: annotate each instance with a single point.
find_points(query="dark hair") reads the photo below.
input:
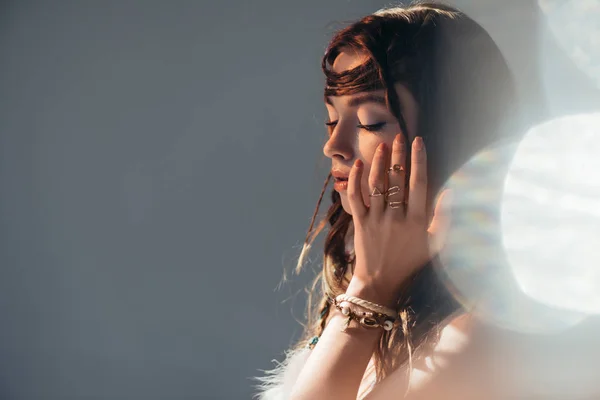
(467, 101)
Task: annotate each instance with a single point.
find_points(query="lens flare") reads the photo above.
(551, 214)
(524, 245)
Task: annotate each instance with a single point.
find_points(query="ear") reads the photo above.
(440, 223)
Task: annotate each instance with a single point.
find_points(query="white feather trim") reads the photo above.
(278, 382)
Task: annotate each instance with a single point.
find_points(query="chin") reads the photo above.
(346, 206)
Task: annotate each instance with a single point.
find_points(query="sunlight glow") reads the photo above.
(551, 214)
(523, 251)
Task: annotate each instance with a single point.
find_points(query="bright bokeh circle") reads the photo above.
(551, 214)
(523, 251)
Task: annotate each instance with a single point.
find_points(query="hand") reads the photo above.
(392, 237)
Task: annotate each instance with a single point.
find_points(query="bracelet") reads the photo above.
(366, 319)
(376, 308)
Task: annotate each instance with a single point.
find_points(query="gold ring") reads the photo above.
(395, 168)
(376, 192)
(392, 191)
(396, 204)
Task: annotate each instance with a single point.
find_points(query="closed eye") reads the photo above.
(373, 127)
(331, 126)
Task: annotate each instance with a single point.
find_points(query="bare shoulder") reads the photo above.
(454, 337)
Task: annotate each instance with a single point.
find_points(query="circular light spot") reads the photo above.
(510, 254)
(551, 214)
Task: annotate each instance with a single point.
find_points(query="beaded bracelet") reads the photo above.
(366, 319)
(376, 308)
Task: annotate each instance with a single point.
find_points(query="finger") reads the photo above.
(417, 195)
(357, 204)
(377, 180)
(397, 176)
(440, 224)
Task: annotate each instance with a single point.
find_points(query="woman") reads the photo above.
(412, 94)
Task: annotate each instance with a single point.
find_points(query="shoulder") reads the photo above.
(427, 363)
(454, 335)
(454, 338)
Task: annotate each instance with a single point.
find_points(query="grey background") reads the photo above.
(159, 164)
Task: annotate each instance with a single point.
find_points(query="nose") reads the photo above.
(338, 145)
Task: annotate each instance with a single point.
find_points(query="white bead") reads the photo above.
(346, 311)
(388, 325)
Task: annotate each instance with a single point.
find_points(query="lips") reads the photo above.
(340, 184)
(339, 175)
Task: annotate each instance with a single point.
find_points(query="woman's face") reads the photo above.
(358, 123)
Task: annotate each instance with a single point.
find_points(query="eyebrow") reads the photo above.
(362, 99)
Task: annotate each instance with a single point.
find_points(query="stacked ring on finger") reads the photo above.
(394, 190)
(395, 168)
(396, 204)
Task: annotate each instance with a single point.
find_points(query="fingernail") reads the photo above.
(381, 147)
(398, 139)
(419, 145)
(358, 163)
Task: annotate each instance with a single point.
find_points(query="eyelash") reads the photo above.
(371, 128)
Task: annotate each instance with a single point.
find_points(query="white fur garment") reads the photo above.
(278, 382)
